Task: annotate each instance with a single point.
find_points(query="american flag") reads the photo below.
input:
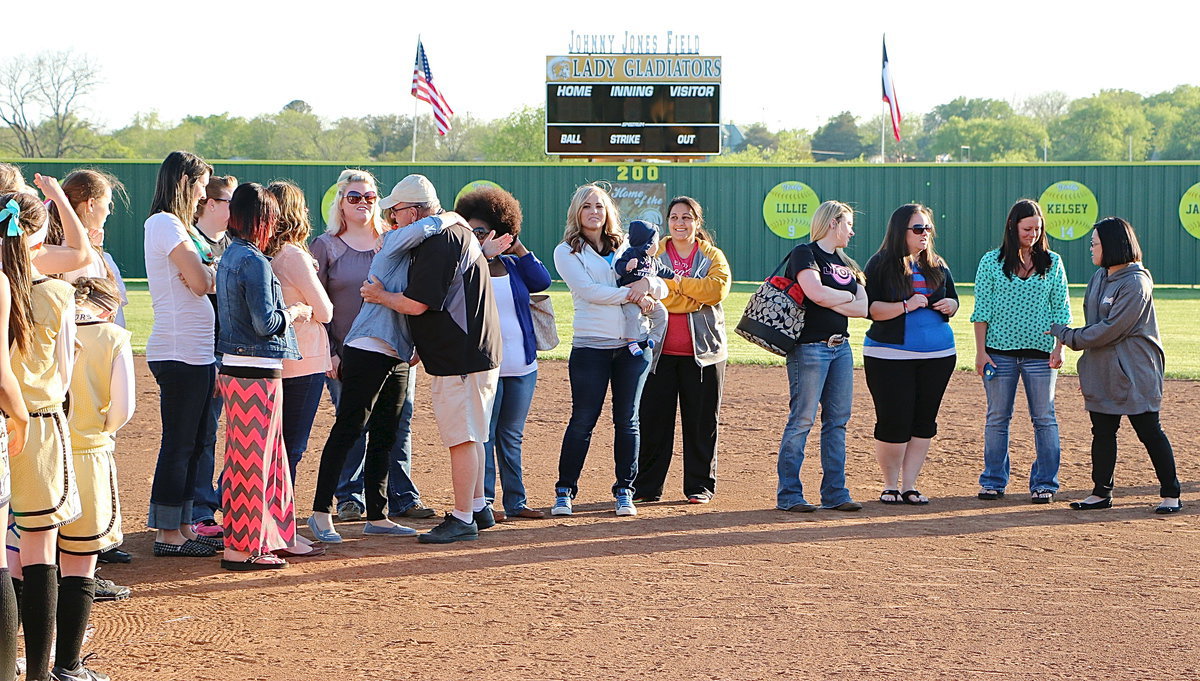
(424, 90)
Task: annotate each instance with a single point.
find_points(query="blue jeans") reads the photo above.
(207, 498)
(591, 371)
(1001, 389)
(185, 391)
(301, 397)
(402, 492)
(817, 374)
(514, 394)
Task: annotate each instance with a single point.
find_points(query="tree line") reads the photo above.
(43, 99)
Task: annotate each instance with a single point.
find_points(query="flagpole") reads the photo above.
(414, 120)
(883, 132)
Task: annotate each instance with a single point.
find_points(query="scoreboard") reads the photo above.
(642, 105)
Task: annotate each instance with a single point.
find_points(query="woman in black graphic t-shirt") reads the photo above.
(821, 366)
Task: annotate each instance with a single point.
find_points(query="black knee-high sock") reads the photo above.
(39, 600)
(8, 627)
(75, 597)
(18, 584)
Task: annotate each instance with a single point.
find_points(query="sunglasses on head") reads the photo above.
(921, 229)
(355, 197)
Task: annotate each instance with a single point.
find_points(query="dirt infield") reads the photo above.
(959, 589)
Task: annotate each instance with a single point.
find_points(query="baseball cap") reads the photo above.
(412, 189)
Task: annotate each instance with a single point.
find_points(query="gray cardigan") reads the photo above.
(707, 325)
(1121, 370)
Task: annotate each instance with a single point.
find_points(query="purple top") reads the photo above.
(342, 271)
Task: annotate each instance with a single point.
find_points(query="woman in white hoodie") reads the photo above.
(592, 241)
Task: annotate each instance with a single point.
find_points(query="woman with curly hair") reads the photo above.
(515, 274)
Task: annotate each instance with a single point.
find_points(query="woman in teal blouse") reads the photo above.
(1020, 290)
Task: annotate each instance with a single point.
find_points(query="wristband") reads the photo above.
(905, 304)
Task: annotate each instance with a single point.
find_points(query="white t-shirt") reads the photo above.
(512, 362)
(184, 323)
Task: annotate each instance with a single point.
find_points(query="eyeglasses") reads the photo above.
(397, 209)
(213, 198)
(921, 229)
(354, 197)
(481, 232)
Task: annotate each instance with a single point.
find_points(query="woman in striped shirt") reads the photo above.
(909, 351)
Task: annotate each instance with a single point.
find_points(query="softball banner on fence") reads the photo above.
(1071, 210)
(788, 209)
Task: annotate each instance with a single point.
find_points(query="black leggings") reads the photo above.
(1104, 451)
(373, 390)
(907, 395)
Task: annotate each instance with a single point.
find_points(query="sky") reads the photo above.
(789, 65)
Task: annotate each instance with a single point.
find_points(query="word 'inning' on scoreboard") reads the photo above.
(633, 105)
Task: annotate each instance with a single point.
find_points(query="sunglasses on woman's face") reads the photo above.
(921, 229)
(355, 197)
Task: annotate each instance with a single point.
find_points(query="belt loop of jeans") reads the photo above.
(835, 340)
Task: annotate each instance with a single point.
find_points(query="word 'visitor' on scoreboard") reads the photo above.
(633, 105)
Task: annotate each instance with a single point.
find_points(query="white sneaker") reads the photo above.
(625, 502)
(562, 502)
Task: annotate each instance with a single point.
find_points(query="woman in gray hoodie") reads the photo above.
(1121, 370)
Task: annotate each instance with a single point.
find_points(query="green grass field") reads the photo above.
(1178, 310)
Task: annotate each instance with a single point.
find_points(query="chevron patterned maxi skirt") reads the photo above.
(256, 498)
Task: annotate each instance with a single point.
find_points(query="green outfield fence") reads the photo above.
(969, 202)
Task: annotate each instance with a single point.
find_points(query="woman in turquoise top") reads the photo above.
(1020, 290)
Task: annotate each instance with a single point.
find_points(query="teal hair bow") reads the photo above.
(13, 211)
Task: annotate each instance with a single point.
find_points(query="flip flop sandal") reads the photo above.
(1041, 496)
(914, 498)
(893, 493)
(989, 494)
(262, 561)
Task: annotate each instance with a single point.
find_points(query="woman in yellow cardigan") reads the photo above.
(690, 370)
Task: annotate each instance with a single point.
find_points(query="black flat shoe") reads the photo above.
(1168, 510)
(115, 556)
(1092, 506)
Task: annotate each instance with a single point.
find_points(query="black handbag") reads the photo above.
(774, 315)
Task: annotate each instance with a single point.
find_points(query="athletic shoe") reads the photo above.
(450, 530)
(418, 510)
(79, 673)
(562, 502)
(207, 528)
(349, 512)
(485, 518)
(625, 502)
(107, 590)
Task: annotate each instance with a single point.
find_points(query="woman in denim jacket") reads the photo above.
(255, 337)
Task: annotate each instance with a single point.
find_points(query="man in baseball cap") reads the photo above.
(376, 358)
(451, 306)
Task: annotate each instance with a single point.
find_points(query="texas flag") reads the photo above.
(889, 93)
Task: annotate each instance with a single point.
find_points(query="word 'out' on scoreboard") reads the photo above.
(633, 105)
